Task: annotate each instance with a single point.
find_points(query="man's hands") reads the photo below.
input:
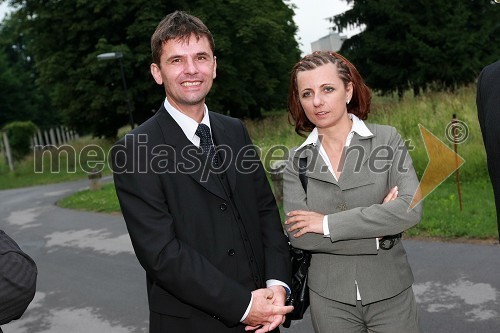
(268, 309)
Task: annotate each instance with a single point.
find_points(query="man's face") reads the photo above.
(187, 69)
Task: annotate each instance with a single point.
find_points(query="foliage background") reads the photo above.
(54, 45)
(19, 134)
(423, 44)
(49, 73)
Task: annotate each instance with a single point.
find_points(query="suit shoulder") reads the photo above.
(149, 127)
(297, 151)
(225, 119)
(492, 68)
(383, 133)
(379, 129)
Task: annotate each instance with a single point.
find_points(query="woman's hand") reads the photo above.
(304, 221)
(392, 195)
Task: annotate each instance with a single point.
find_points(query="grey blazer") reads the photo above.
(356, 216)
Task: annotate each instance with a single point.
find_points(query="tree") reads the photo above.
(20, 98)
(20, 134)
(422, 43)
(11, 98)
(254, 41)
(256, 50)
(64, 37)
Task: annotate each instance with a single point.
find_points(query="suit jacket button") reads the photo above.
(342, 206)
(223, 207)
(231, 252)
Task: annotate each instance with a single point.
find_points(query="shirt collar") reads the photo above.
(187, 124)
(358, 126)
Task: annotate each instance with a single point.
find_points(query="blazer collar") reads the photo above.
(186, 153)
(355, 171)
(172, 132)
(226, 150)
(358, 126)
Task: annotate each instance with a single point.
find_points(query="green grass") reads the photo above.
(434, 111)
(443, 218)
(103, 200)
(70, 162)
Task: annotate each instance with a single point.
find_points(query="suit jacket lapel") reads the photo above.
(316, 166)
(356, 171)
(188, 158)
(225, 151)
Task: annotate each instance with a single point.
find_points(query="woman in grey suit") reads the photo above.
(351, 203)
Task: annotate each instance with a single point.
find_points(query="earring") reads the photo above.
(348, 101)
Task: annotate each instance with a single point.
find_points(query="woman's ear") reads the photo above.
(349, 91)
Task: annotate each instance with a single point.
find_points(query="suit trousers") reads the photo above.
(394, 315)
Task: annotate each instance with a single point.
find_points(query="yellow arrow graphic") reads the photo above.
(443, 161)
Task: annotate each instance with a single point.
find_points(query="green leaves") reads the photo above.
(255, 49)
(419, 44)
(20, 134)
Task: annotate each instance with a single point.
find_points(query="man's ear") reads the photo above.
(214, 74)
(156, 72)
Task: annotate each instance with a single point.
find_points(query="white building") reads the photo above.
(331, 42)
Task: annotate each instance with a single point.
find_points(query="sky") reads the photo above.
(311, 18)
(3, 10)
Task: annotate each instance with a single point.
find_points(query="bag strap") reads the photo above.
(302, 172)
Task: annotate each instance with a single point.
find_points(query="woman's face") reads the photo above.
(323, 95)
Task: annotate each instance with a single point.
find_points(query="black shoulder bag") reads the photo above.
(299, 295)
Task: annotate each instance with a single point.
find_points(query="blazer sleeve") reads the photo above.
(388, 218)
(276, 250)
(294, 198)
(170, 262)
(18, 274)
(479, 102)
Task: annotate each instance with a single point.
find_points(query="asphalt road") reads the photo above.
(90, 281)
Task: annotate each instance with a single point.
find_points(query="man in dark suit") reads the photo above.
(204, 223)
(17, 280)
(488, 110)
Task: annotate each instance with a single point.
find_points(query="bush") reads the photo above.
(20, 134)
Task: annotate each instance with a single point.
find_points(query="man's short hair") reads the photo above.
(178, 25)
